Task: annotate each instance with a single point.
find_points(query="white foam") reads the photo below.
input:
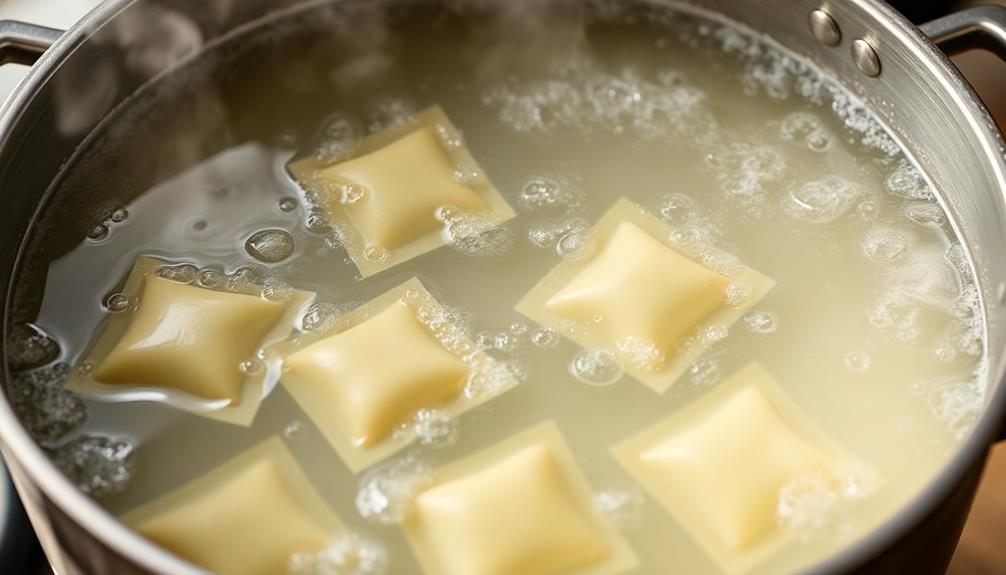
(385, 493)
(349, 554)
(823, 200)
(98, 465)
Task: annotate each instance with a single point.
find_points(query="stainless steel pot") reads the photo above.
(894, 66)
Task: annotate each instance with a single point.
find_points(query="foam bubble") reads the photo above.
(29, 347)
(907, 182)
(385, 493)
(294, 430)
(926, 214)
(119, 215)
(551, 193)
(639, 353)
(487, 378)
(287, 204)
(545, 337)
(858, 361)
(476, 234)
(576, 244)
(748, 169)
(704, 372)
(823, 200)
(348, 554)
(181, 273)
(621, 506)
(545, 235)
(389, 113)
(97, 232)
(957, 405)
(761, 321)
(815, 503)
(806, 128)
(885, 245)
(275, 289)
(47, 411)
(270, 245)
(98, 465)
(431, 427)
(596, 367)
(738, 293)
(117, 303)
(376, 253)
(340, 135)
(321, 316)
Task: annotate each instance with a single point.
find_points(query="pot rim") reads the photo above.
(43, 474)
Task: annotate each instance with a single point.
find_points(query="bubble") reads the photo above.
(210, 278)
(762, 322)
(251, 367)
(596, 367)
(47, 411)
(812, 502)
(857, 361)
(389, 113)
(867, 210)
(117, 303)
(288, 204)
(376, 253)
(738, 293)
(348, 554)
(98, 465)
(351, 193)
(640, 353)
(466, 176)
(704, 372)
(434, 426)
(944, 351)
(294, 430)
(539, 192)
(286, 140)
(907, 182)
(885, 245)
(487, 378)
(957, 405)
(505, 342)
(747, 169)
(713, 333)
(677, 208)
(477, 235)
(317, 222)
(926, 214)
(29, 347)
(339, 138)
(448, 136)
(323, 315)
(181, 273)
(199, 225)
(518, 328)
(547, 234)
(85, 368)
(957, 257)
(620, 506)
(97, 233)
(119, 215)
(805, 127)
(385, 493)
(277, 290)
(822, 201)
(545, 337)
(576, 245)
(270, 245)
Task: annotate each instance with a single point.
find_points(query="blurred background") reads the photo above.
(981, 550)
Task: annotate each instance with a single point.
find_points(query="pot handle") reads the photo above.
(24, 43)
(978, 27)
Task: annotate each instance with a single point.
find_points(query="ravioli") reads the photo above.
(363, 383)
(247, 517)
(719, 464)
(185, 344)
(642, 297)
(521, 506)
(387, 199)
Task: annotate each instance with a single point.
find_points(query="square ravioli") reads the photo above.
(520, 506)
(719, 465)
(246, 517)
(394, 198)
(363, 380)
(184, 345)
(643, 298)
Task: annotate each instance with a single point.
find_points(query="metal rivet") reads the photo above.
(865, 57)
(824, 28)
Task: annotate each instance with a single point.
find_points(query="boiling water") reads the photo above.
(874, 327)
